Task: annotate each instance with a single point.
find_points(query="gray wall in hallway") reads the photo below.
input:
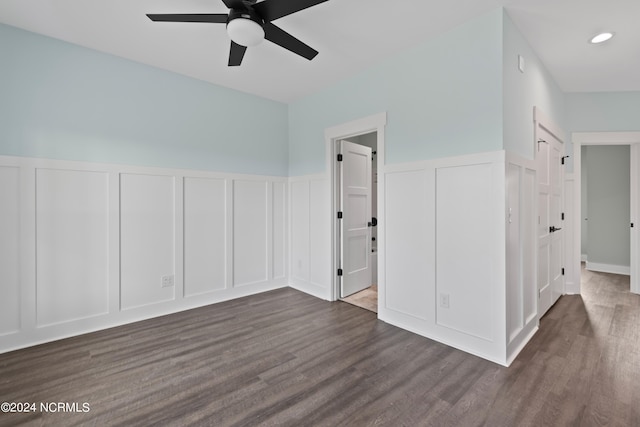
(608, 204)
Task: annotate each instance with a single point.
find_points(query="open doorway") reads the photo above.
(356, 198)
(374, 126)
(605, 206)
(631, 139)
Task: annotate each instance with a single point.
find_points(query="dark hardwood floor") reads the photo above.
(286, 358)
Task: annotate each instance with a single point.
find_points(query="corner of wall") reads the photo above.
(526, 84)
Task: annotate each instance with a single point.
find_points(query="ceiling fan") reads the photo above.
(249, 22)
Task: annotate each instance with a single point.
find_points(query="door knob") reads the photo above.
(553, 229)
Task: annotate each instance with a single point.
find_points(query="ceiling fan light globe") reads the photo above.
(245, 32)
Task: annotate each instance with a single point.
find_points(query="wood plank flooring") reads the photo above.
(287, 359)
(366, 298)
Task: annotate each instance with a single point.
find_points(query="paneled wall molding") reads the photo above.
(521, 262)
(87, 246)
(218, 236)
(445, 251)
(456, 270)
(310, 235)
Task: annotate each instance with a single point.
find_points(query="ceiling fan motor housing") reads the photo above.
(247, 13)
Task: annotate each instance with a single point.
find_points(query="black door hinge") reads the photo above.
(339, 272)
(631, 225)
(563, 271)
(562, 159)
(562, 216)
(339, 157)
(339, 215)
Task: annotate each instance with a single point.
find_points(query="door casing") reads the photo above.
(374, 123)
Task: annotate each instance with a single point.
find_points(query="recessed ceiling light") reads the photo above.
(601, 38)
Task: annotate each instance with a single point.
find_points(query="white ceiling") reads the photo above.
(349, 34)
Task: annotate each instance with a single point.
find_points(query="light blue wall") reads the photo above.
(63, 101)
(455, 94)
(442, 98)
(603, 111)
(523, 91)
(608, 204)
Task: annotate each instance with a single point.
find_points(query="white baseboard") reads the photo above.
(309, 288)
(514, 349)
(609, 268)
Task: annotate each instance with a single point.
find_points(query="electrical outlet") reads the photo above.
(444, 300)
(166, 281)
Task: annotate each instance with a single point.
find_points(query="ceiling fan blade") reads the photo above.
(234, 4)
(287, 41)
(236, 54)
(215, 18)
(271, 10)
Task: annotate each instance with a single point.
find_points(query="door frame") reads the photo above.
(374, 123)
(607, 138)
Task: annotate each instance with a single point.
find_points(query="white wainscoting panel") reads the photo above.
(84, 246)
(72, 226)
(529, 242)
(410, 237)
(444, 244)
(310, 229)
(251, 219)
(300, 230)
(205, 235)
(319, 233)
(521, 226)
(279, 230)
(515, 318)
(9, 249)
(464, 238)
(147, 238)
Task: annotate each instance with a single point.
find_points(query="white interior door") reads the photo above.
(355, 205)
(550, 234)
